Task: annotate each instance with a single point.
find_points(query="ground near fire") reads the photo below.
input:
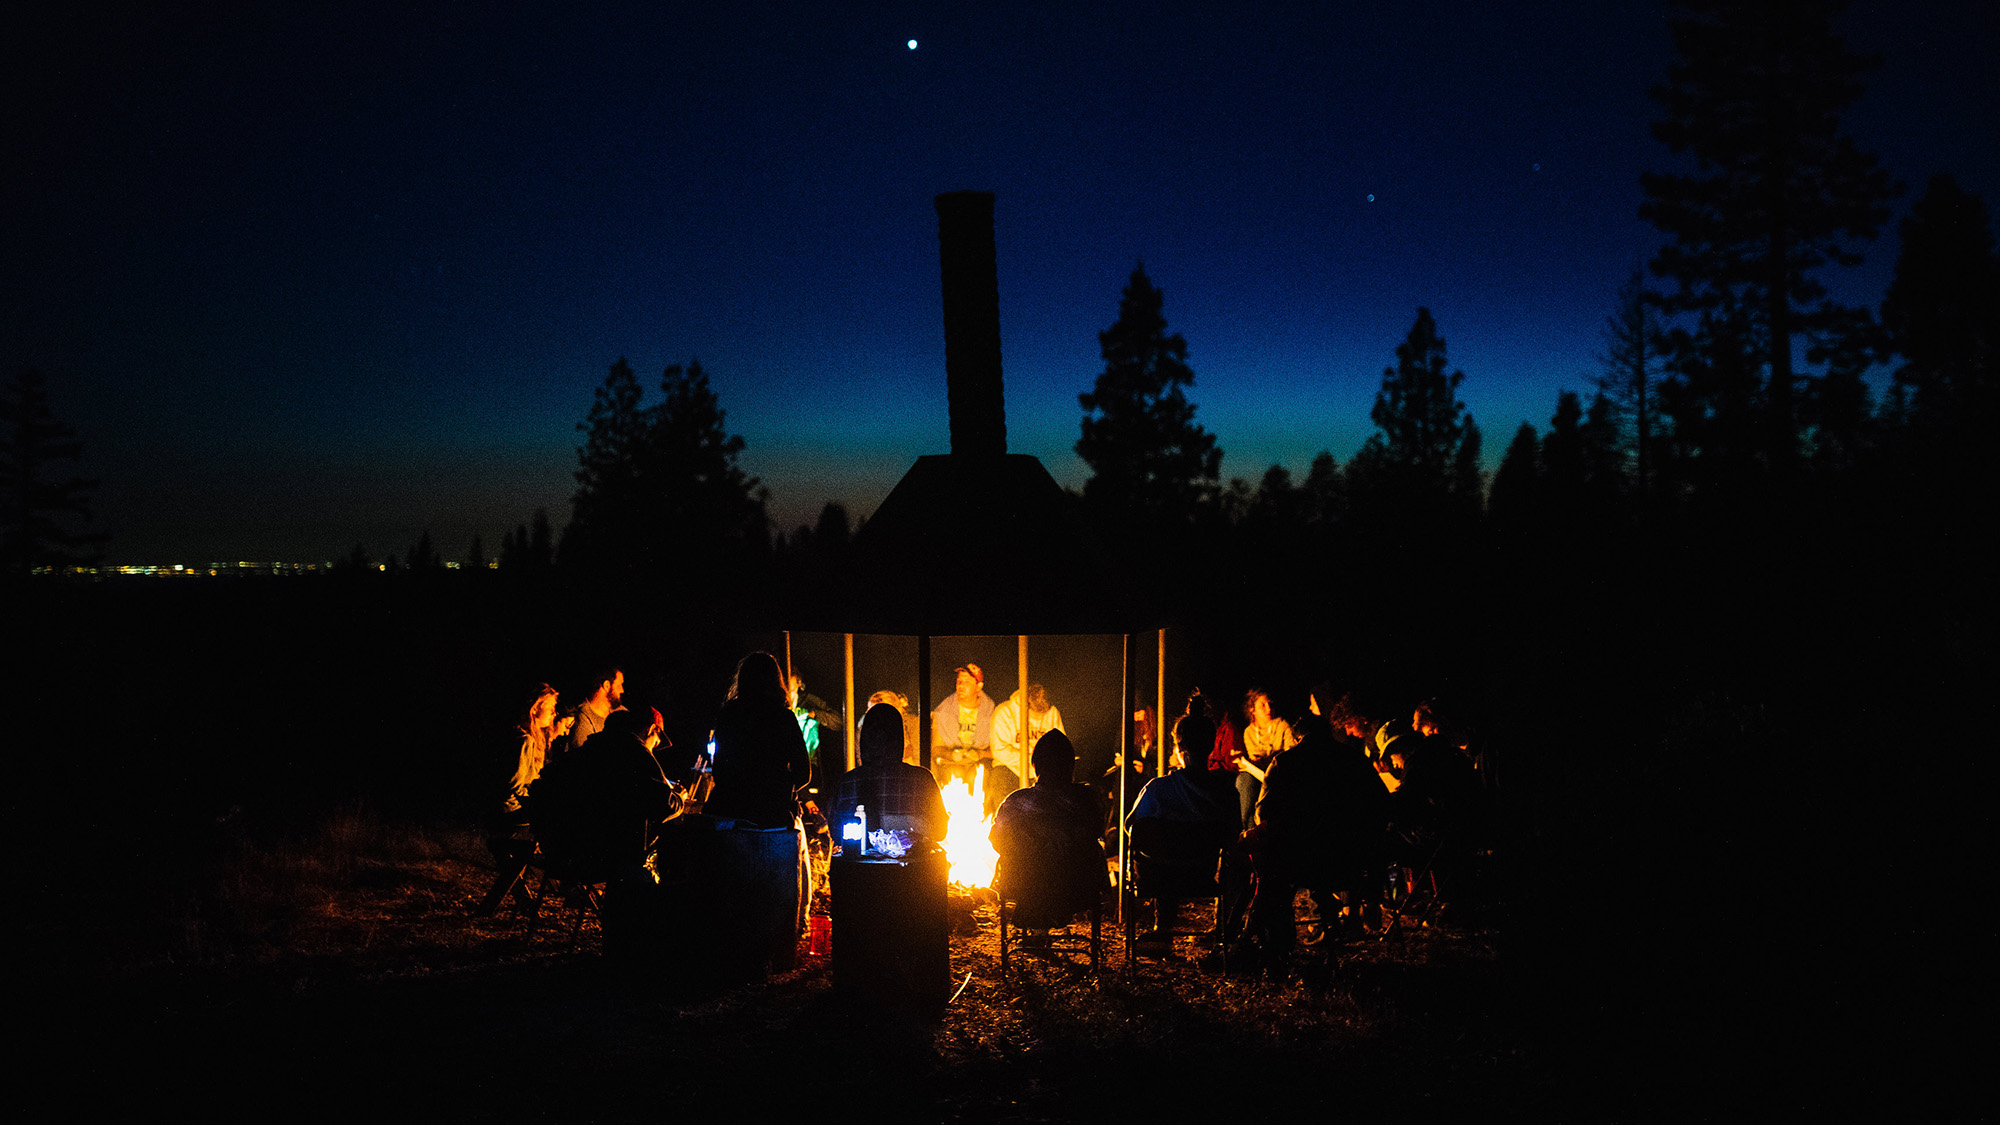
(247, 849)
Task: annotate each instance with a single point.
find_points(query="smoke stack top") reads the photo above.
(971, 323)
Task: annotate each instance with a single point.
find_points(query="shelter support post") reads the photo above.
(853, 753)
(1124, 770)
(924, 697)
(1021, 727)
(1160, 709)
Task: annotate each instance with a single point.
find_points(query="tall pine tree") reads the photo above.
(1423, 461)
(41, 514)
(1632, 347)
(1942, 311)
(1777, 190)
(1150, 462)
(659, 491)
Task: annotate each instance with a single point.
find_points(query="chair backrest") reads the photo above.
(1177, 857)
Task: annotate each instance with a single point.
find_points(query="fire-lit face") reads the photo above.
(617, 687)
(793, 690)
(968, 688)
(543, 713)
(1260, 708)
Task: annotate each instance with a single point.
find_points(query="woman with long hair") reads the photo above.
(535, 729)
(507, 836)
(760, 754)
(1264, 737)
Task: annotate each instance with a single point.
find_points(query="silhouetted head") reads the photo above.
(758, 681)
(1426, 721)
(1311, 727)
(642, 723)
(627, 722)
(1349, 714)
(1054, 758)
(880, 739)
(1194, 738)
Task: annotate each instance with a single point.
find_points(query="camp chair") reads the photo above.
(1067, 877)
(511, 859)
(1058, 941)
(581, 891)
(1180, 862)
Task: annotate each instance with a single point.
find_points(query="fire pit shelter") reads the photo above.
(979, 546)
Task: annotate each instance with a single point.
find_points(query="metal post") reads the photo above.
(1021, 728)
(853, 758)
(924, 698)
(1124, 768)
(1160, 710)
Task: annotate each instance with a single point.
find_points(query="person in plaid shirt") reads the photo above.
(899, 796)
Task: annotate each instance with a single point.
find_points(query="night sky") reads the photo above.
(304, 276)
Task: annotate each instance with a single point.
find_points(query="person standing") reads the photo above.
(760, 755)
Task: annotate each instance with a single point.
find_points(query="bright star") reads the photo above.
(912, 44)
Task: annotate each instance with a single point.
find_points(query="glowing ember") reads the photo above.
(972, 855)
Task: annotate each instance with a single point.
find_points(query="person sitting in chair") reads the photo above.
(962, 728)
(898, 796)
(1319, 825)
(1180, 824)
(1051, 864)
(598, 810)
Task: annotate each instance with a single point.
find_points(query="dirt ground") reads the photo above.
(387, 995)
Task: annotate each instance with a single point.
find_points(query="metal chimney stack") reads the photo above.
(971, 323)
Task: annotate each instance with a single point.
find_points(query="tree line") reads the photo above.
(1730, 383)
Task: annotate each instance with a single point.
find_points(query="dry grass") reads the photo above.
(362, 923)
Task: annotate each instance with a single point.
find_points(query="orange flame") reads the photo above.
(965, 843)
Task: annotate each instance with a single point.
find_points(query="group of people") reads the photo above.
(588, 794)
(1333, 801)
(1327, 801)
(980, 742)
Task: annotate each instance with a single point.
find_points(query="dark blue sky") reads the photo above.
(303, 278)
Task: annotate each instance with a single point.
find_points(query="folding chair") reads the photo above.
(1180, 863)
(581, 891)
(1057, 942)
(511, 859)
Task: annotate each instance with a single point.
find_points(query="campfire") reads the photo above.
(972, 855)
